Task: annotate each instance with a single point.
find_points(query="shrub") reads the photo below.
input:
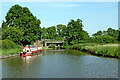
(58, 47)
(7, 44)
(52, 46)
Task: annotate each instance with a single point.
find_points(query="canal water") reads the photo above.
(60, 64)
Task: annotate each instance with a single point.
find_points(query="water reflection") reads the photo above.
(28, 59)
(19, 66)
(60, 64)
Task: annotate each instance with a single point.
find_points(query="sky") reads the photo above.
(95, 15)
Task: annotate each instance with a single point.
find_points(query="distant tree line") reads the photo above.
(73, 33)
(109, 36)
(22, 27)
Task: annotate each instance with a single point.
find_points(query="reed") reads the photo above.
(108, 50)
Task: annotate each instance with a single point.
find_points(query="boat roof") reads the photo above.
(30, 46)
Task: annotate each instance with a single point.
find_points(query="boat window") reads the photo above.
(27, 50)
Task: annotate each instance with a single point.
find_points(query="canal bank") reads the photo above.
(105, 50)
(5, 53)
(9, 48)
(8, 56)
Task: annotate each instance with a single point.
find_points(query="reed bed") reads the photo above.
(107, 50)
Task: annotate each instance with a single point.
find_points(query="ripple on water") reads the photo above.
(60, 64)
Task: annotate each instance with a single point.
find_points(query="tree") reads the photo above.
(61, 31)
(44, 34)
(75, 33)
(23, 19)
(97, 34)
(13, 34)
(84, 37)
(109, 36)
(51, 32)
(113, 33)
(4, 25)
(104, 39)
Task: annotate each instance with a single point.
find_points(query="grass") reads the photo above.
(10, 51)
(8, 47)
(108, 50)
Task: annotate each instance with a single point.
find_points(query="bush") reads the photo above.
(7, 44)
(52, 46)
(58, 47)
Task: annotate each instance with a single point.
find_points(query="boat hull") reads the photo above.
(30, 54)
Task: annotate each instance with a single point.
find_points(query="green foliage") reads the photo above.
(66, 46)
(58, 47)
(106, 50)
(23, 20)
(4, 25)
(82, 46)
(75, 33)
(99, 33)
(57, 33)
(11, 51)
(52, 46)
(0, 44)
(49, 33)
(44, 33)
(23, 28)
(13, 34)
(0, 33)
(103, 50)
(7, 44)
(109, 36)
(61, 31)
(43, 48)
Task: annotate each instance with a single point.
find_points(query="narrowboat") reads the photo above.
(30, 50)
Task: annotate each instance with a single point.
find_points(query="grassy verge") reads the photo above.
(8, 47)
(10, 51)
(107, 50)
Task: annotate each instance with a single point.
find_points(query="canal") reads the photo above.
(60, 64)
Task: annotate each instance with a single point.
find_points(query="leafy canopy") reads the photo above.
(22, 19)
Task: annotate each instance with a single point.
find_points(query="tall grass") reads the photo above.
(7, 44)
(10, 51)
(8, 47)
(110, 50)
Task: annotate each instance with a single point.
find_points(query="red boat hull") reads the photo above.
(29, 52)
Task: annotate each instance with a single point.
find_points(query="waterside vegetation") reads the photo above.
(21, 27)
(105, 50)
(9, 47)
